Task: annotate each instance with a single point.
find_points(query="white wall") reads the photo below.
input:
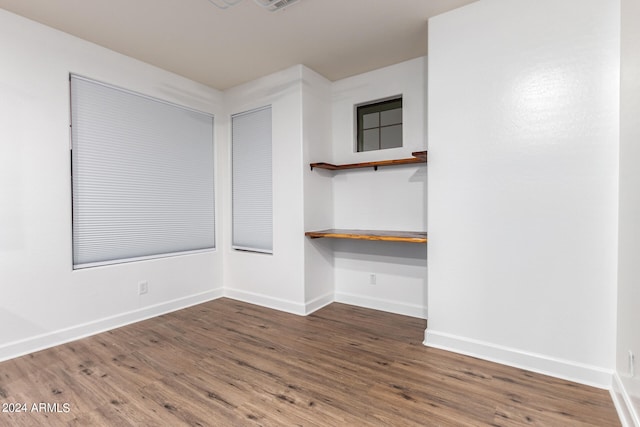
(627, 386)
(298, 276)
(301, 275)
(43, 302)
(391, 198)
(274, 280)
(318, 195)
(523, 171)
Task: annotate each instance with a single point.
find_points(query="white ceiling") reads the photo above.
(224, 48)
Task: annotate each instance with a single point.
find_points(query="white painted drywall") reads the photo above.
(298, 276)
(629, 216)
(523, 184)
(274, 280)
(318, 194)
(301, 275)
(391, 198)
(42, 301)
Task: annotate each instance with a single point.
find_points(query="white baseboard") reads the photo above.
(280, 304)
(266, 301)
(413, 310)
(318, 303)
(566, 369)
(622, 401)
(62, 336)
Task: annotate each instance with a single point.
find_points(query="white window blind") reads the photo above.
(142, 175)
(252, 181)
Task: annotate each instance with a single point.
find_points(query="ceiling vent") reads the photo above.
(270, 5)
(275, 5)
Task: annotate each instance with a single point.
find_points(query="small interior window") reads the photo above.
(379, 125)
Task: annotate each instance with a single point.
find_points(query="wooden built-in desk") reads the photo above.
(385, 235)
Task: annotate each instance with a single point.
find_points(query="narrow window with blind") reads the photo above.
(252, 181)
(142, 176)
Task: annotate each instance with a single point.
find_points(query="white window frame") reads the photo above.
(143, 182)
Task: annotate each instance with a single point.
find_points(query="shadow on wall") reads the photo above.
(411, 254)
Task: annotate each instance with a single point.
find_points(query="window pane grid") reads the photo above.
(379, 125)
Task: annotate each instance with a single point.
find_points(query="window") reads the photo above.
(379, 125)
(252, 181)
(142, 176)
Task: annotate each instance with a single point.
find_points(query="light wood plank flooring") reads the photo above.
(227, 363)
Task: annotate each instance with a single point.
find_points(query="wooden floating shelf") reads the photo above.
(418, 157)
(384, 235)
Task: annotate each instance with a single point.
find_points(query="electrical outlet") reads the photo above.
(143, 287)
(372, 279)
(632, 360)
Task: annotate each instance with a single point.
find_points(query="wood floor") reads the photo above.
(226, 363)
